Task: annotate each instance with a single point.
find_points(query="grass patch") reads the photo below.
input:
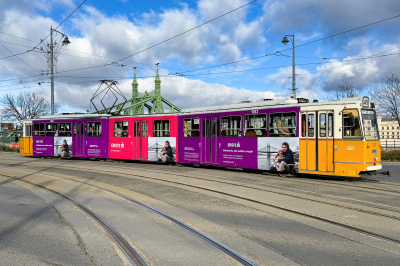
(390, 155)
(5, 148)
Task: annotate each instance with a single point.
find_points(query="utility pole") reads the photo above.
(285, 41)
(52, 70)
(52, 51)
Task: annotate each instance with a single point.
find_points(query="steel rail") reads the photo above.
(213, 242)
(260, 189)
(339, 224)
(308, 181)
(130, 253)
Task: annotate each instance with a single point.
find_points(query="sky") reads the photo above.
(206, 58)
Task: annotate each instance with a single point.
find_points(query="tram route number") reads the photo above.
(254, 111)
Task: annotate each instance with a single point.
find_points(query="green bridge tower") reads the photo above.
(152, 100)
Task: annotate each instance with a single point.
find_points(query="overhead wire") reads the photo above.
(18, 57)
(374, 58)
(198, 26)
(343, 32)
(60, 23)
(237, 60)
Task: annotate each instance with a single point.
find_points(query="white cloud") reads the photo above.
(182, 92)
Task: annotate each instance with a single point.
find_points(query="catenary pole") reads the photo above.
(294, 72)
(52, 70)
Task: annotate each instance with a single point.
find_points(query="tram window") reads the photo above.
(351, 124)
(51, 129)
(255, 125)
(64, 130)
(38, 129)
(121, 129)
(215, 127)
(161, 128)
(206, 128)
(145, 129)
(322, 125)
(282, 124)
(28, 131)
(311, 123)
(370, 125)
(94, 129)
(231, 126)
(303, 125)
(191, 127)
(330, 125)
(136, 129)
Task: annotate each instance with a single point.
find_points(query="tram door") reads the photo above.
(325, 141)
(209, 141)
(317, 141)
(28, 140)
(78, 142)
(140, 139)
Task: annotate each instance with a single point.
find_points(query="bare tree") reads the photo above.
(23, 106)
(344, 88)
(387, 96)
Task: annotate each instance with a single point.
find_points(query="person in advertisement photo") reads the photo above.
(168, 153)
(287, 160)
(162, 149)
(61, 147)
(276, 164)
(269, 150)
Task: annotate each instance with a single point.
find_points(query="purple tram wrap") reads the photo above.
(205, 138)
(86, 138)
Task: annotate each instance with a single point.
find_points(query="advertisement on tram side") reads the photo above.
(63, 147)
(43, 146)
(269, 148)
(158, 149)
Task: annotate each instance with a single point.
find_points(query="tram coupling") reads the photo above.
(384, 173)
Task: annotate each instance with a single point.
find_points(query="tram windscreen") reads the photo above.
(370, 124)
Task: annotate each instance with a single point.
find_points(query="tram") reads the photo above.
(142, 137)
(83, 133)
(336, 138)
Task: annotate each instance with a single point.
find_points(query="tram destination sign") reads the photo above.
(7, 127)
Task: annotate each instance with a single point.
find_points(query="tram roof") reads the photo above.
(72, 116)
(275, 103)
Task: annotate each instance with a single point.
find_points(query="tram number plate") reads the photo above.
(254, 111)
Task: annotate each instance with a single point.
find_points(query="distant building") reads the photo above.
(388, 128)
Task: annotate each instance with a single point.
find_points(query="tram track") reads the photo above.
(265, 190)
(298, 180)
(236, 256)
(282, 208)
(131, 254)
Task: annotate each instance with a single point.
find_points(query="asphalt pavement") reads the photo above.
(266, 236)
(32, 232)
(395, 168)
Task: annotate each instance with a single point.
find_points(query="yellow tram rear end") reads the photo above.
(26, 141)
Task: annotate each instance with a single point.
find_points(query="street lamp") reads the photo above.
(285, 41)
(51, 52)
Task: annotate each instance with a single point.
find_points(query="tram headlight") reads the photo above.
(376, 157)
(365, 102)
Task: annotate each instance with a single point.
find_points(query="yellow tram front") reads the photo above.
(339, 138)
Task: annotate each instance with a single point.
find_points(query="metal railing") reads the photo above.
(390, 144)
(6, 140)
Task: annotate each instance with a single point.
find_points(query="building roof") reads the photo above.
(392, 119)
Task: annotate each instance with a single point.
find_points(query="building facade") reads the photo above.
(388, 128)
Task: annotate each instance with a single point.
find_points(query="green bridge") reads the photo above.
(153, 101)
